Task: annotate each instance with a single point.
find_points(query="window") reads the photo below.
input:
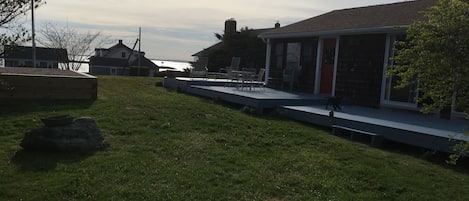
(43, 64)
(406, 96)
(293, 51)
(293, 54)
(113, 71)
(279, 55)
(123, 54)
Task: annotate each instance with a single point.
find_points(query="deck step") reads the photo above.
(376, 139)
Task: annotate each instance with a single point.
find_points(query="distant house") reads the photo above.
(346, 52)
(121, 60)
(244, 44)
(22, 56)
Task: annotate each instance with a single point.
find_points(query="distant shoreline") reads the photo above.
(178, 65)
(171, 60)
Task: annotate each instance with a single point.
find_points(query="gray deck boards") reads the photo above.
(409, 127)
(260, 98)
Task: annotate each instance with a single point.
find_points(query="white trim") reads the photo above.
(268, 54)
(336, 61)
(387, 52)
(317, 85)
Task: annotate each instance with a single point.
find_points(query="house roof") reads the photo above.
(42, 53)
(213, 47)
(370, 18)
(119, 62)
(119, 45)
(251, 32)
(144, 62)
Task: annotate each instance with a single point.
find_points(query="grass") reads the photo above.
(171, 146)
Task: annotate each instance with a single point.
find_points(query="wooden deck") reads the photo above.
(47, 84)
(361, 123)
(413, 128)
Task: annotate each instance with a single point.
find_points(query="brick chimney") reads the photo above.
(277, 25)
(230, 27)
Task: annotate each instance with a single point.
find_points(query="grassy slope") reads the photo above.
(171, 146)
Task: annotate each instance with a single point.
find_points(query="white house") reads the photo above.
(121, 60)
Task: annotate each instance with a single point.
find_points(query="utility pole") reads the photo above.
(34, 34)
(139, 46)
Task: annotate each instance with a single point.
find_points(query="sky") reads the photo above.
(176, 29)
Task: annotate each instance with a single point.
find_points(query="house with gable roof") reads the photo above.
(22, 56)
(346, 53)
(233, 43)
(121, 60)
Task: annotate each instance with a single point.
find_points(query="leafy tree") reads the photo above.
(80, 46)
(243, 44)
(11, 32)
(435, 55)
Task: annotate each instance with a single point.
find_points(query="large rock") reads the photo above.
(81, 134)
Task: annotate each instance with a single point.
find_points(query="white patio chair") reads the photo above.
(234, 66)
(258, 79)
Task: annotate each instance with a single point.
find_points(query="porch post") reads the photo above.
(268, 54)
(318, 66)
(387, 52)
(336, 62)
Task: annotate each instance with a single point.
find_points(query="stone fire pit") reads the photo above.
(64, 133)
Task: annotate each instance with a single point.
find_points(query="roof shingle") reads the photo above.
(379, 16)
(42, 53)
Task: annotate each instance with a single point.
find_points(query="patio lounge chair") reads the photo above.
(228, 71)
(258, 79)
(234, 66)
(199, 68)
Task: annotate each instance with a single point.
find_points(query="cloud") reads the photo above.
(176, 29)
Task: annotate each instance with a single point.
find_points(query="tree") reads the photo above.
(243, 44)
(435, 54)
(80, 46)
(11, 32)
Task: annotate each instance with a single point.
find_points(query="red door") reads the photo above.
(327, 67)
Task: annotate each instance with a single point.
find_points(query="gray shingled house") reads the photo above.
(22, 56)
(346, 53)
(121, 60)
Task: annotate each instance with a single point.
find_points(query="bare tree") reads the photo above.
(11, 31)
(80, 46)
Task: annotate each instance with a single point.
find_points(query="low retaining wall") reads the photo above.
(46, 84)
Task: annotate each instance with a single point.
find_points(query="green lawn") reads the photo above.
(171, 146)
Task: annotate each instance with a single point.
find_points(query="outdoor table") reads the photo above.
(242, 77)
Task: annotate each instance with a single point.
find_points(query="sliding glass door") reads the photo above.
(404, 97)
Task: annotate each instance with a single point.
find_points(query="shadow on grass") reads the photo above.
(42, 161)
(438, 158)
(17, 108)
